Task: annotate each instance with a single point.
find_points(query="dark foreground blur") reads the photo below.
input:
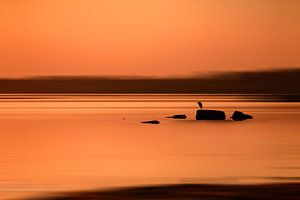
(288, 191)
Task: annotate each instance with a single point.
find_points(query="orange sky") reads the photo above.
(146, 37)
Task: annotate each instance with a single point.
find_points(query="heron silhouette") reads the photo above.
(200, 104)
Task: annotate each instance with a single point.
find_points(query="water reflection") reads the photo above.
(77, 144)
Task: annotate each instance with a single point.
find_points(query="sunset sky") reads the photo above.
(146, 37)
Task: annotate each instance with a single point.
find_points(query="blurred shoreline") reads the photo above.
(276, 82)
(286, 191)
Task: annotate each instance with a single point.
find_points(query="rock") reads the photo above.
(178, 117)
(240, 116)
(210, 115)
(151, 122)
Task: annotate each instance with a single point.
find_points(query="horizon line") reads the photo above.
(205, 75)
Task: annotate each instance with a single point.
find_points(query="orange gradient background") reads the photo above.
(146, 37)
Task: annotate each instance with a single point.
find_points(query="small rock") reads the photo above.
(240, 116)
(178, 117)
(151, 122)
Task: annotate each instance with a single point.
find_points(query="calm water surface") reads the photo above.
(52, 143)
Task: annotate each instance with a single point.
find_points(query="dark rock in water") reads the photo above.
(240, 116)
(210, 115)
(151, 122)
(178, 117)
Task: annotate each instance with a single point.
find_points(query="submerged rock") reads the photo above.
(210, 115)
(151, 122)
(240, 116)
(178, 117)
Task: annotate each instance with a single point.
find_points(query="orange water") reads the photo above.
(52, 143)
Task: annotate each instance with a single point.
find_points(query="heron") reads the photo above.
(200, 104)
